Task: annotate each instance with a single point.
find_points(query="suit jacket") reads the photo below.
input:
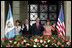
(25, 32)
(35, 31)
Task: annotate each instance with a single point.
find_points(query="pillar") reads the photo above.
(67, 13)
(2, 18)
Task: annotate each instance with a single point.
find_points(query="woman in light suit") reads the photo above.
(48, 28)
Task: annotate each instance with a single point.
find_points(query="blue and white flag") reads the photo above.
(9, 28)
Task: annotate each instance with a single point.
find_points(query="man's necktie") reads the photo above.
(37, 26)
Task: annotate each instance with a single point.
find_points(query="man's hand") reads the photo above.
(22, 26)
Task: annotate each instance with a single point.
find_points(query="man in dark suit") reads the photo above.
(37, 28)
(26, 28)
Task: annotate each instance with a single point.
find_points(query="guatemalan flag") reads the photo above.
(9, 28)
(61, 24)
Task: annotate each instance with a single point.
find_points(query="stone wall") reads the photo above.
(20, 10)
(16, 10)
(23, 11)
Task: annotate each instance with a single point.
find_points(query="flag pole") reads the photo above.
(9, 4)
(61, 4)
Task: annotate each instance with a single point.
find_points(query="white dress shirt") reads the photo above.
(37, 24)
(27, 27)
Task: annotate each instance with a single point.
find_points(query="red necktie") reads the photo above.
(38, 26)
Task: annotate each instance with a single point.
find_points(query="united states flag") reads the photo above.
(61, 24)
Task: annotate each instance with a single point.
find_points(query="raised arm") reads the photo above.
(53, 27)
